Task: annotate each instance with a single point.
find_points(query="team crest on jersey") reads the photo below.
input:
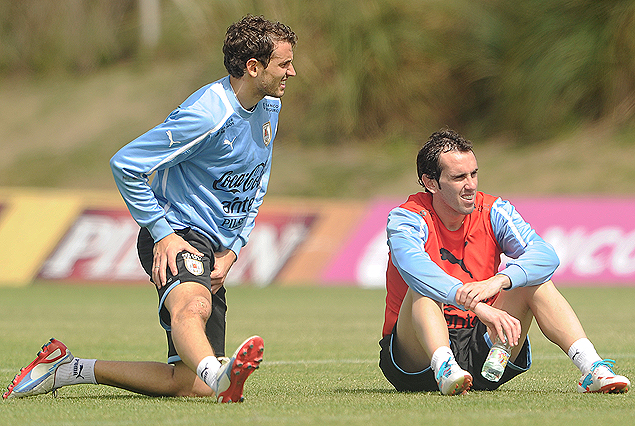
(266, 133)
(193, 263)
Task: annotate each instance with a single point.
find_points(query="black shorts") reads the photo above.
(191, 269)
(470, 347)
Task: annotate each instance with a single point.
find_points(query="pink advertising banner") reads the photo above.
(91, 237)
(594, 239)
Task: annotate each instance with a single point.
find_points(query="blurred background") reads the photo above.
(544, 88)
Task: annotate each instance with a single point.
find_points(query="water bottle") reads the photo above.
(496, 361)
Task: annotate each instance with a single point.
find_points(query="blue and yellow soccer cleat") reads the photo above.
(231, 377)
(602, 379)
(39, 376)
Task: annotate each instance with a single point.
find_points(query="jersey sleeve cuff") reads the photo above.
(160, 229)
(451, 300)
(516, 275)
(236, 246)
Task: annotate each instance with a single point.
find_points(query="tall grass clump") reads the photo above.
(564, 62)
(75, 36)
(528, 70)
(374, 69)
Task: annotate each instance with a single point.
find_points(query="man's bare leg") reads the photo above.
(421, 330)
(553, 314)
(151, 378)
(422, 341)
(190, 306)
(560, 324)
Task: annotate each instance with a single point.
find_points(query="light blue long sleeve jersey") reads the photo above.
(532, 260)
(211, 161)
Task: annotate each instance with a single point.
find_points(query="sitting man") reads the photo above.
(444, 304)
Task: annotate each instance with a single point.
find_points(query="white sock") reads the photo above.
(442, 354)
(583, 354)
(78, 371)
(207, 370)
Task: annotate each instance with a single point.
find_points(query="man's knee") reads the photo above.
(189, 301)
(531, 293)
(198, 308)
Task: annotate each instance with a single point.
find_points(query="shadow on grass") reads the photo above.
(131, 397)
(363, 391)
(499, 392)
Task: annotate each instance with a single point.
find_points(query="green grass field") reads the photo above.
(320, 363)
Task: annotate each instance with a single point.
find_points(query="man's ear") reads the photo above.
(252, 67)
(430, 184)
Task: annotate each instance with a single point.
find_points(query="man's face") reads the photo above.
(458, 182)
(272, 80)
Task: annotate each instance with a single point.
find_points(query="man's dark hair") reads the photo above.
(253, 37)
(445, 140)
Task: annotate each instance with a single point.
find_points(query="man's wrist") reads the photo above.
(506, 282)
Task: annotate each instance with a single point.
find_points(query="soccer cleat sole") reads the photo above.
(246, 360)
(618, 387)
(48, 355)
(461, 387)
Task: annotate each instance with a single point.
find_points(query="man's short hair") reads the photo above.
(444, 140)
(253, 37)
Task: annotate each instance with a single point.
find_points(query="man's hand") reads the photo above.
(470, 294)
(507, 327)
(223, 262)
(164, 252)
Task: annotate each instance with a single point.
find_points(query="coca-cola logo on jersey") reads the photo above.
(240, 182)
